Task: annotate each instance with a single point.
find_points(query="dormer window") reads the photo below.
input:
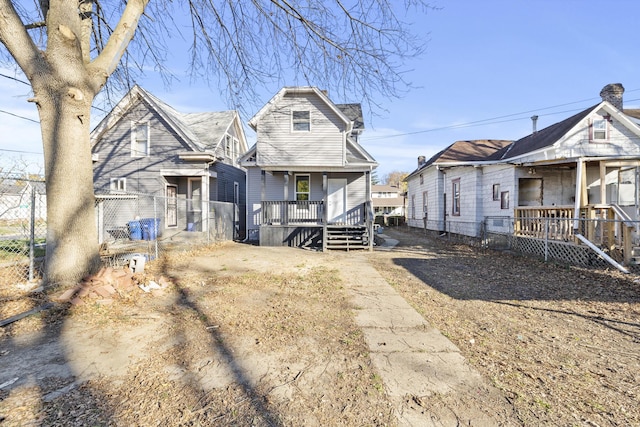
(301, 121)
(599, 130)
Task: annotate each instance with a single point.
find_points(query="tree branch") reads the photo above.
(14, 36)
(108, 59)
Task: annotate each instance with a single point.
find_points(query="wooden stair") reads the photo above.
(346, 237)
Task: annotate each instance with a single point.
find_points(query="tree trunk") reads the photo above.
(72, 240)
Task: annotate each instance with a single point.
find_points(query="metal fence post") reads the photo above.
(32, 232)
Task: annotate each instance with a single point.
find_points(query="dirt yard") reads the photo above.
(266, 337)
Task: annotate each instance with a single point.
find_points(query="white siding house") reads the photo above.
(583, 168)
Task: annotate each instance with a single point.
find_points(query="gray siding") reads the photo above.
(142, 173)
(279, 145)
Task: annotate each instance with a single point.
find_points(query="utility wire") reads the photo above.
(494, 120)
(19, 151)
(19, 116)
(13, 78)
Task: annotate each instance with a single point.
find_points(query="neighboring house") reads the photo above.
(186, 160)
(388, 201)
(584, 167)
(308, 178)
(16, 197)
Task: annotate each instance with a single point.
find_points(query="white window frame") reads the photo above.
(295, 184)
(455, 197)
(425, 199)
(600, 126)
(301, 124)
(118, 185)
(135, 141)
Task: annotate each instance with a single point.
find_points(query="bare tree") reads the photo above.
(396, 179)
(68, 49)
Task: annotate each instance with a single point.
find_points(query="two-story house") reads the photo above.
(185, 160)
(308, 178)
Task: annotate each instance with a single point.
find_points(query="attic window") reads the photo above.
(599, 130)
(301, 120)
(139, 139)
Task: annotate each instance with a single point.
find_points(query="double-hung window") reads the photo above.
(599, 130)
(455, 208)
(139, 139)
(303, 188)
(424, 204)
(301, 121)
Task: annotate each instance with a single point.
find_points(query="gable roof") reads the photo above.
(542, 138)
(554, 133)
(200, 131)
(301, 90)
(354, 113)
(474, 150)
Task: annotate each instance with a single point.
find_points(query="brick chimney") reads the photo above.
(613, 93)
(421, 160)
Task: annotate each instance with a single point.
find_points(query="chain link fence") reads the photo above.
(142, 225)
(129, 225)
(583, 242)
(23, 228)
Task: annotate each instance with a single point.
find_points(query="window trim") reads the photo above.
(593, 130)
(301, 121)
(116, 182)
(504, 200)
(425, 206)
(496, 192)
(455, 198)
(134, 139)
(295, 189)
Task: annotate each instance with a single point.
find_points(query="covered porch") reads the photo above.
(588, 201)
(319, 210)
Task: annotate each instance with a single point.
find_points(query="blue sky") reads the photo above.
(497, 62)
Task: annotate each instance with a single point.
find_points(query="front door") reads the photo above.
(172, 205)
(337, 200)
(194, 204)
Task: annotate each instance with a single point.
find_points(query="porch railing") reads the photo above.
(555, 223)
(292, 212)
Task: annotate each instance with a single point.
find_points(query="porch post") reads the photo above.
(367, 209)
(325, 202)
(263, 190)
(205, 203)
(603, 183)
(578, 193)
(285, 207)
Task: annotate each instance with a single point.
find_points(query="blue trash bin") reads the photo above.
(150, 228)
(135, 230)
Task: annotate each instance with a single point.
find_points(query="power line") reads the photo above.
(19, 116)
(495, 120)
(13, 78)
(19, 151)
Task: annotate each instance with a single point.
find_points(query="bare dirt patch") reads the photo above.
(562, 343)
(245, 336)
(266, 336)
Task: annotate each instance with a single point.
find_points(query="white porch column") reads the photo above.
(578, 194)
(205, 202)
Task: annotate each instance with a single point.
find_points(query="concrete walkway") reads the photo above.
(423, 372)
